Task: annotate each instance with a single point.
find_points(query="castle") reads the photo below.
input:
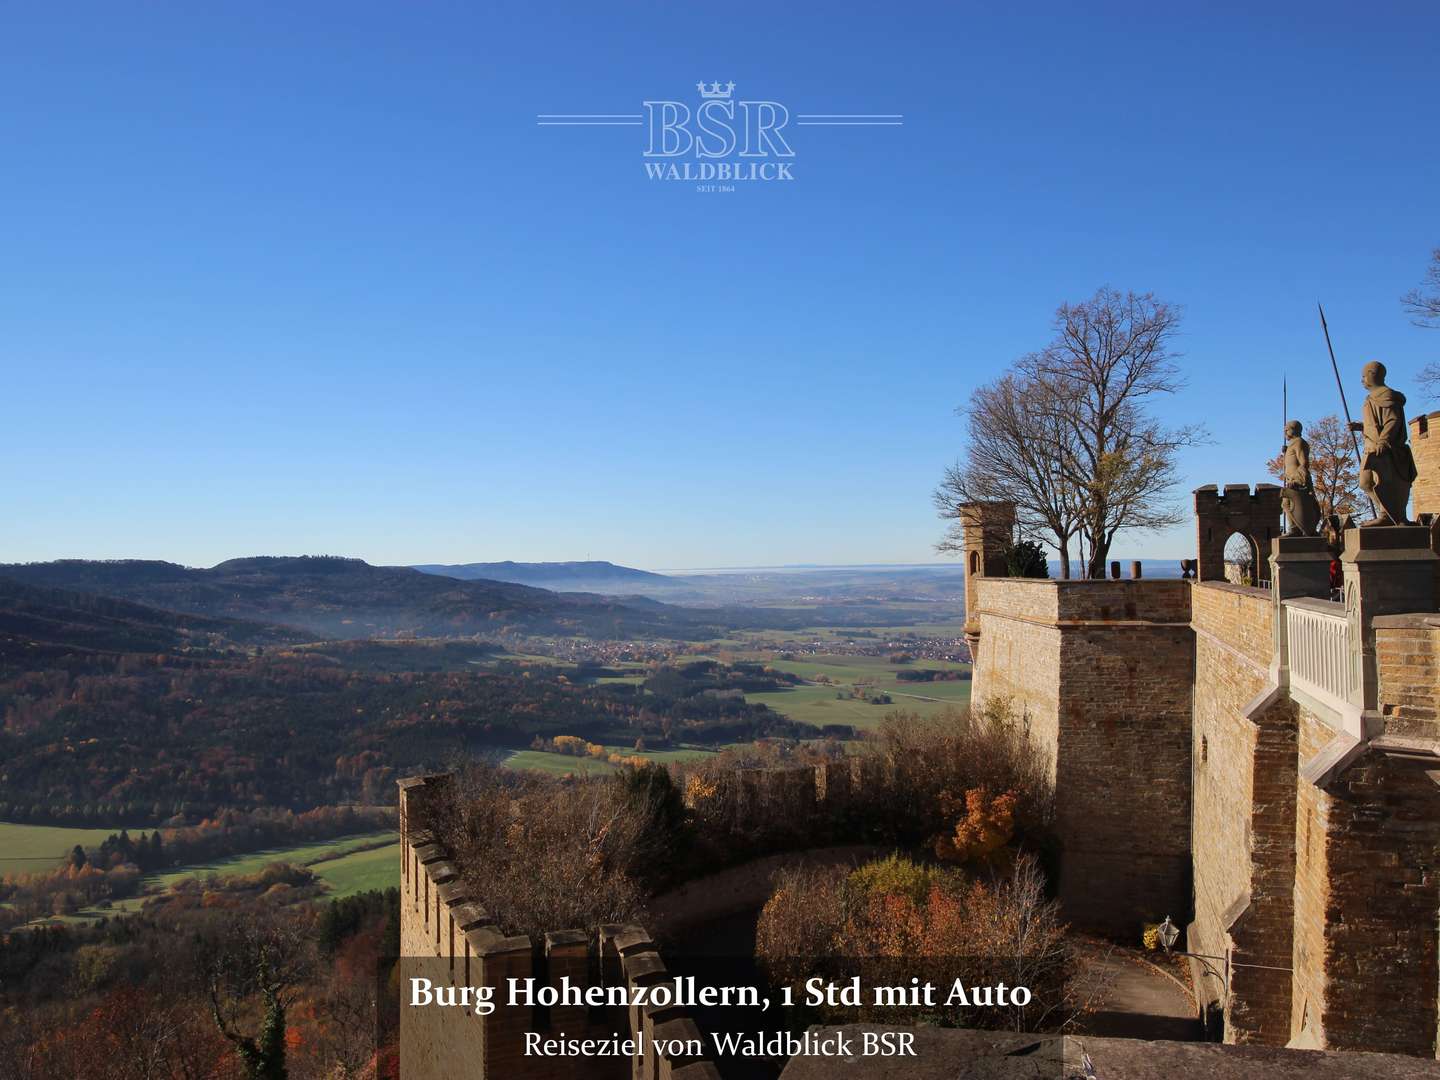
(1263, 760)
(1260, 763)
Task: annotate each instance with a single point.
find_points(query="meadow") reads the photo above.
(360, 871)
(313, 855)
(30, 848)
(346, 864)
(819, 703)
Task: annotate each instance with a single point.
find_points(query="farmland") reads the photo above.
(359, 871)
(29, 848)
(829, 678)
(346, 865)
(313, 855)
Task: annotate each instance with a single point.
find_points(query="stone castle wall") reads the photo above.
(1425, 445)
(1020, 659)
(448, 939)
(1103, 671)
(1367, 892)
(1407, 649)
(1244, 776)
(1315, 888)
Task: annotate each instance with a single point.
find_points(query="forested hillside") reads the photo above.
(334, 597)
(114, 712)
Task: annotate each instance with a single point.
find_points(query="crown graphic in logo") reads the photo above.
(715, 90)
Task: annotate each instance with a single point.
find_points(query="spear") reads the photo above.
(1341, 387)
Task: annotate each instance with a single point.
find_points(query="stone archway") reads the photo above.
(1242, 559)
(1218, 514)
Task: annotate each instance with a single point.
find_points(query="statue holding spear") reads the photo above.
(1387, 467)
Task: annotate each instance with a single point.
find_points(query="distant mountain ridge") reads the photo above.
(553, 575)
(40, 622)
(337, 597)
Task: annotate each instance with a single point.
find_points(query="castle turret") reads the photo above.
(989, 528)
(1219, 514)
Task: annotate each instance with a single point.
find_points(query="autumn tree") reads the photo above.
(1332, 467)
(1423, 303)
(984, 825)
(1112, 357)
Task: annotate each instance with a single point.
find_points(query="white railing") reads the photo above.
(1318, 645)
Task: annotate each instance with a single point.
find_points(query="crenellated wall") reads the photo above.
(446, 938)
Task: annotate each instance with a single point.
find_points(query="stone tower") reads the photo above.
(1235, 510)
(989, 528)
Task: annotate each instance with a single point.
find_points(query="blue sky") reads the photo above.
(310, 278)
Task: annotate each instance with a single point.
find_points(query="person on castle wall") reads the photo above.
(1302, 509)
(1388, 468)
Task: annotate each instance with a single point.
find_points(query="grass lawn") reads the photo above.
(378, 868)
(31, 848)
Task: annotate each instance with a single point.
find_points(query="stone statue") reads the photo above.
(1388, 468)
(1297, 499)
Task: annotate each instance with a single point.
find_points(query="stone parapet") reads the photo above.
(1407, 657)
(447, 938)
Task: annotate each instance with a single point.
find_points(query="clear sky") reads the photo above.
(310, 278)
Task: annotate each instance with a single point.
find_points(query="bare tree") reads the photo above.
(266, 959)
(1016, 446)
(1423, 303)
(1112, 355)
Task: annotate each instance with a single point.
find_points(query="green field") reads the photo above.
(31, 848)
(255, 861)
(360, 871)
(346, 864)
(817, 703)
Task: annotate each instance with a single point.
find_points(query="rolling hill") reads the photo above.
(40, 622)
(591, 576)
(336, 597)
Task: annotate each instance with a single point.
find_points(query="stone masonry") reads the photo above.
(1291, 744)
(1102, 672)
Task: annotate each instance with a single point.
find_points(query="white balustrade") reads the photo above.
(1318, 640)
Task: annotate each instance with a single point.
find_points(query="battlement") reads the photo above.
(447, 939)
(1232, 496)
(1255, 515)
